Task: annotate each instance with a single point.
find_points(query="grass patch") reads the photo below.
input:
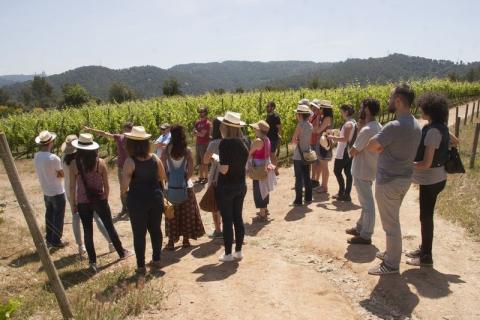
(460, 200)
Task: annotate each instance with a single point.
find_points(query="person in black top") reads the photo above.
(231, 186)
(142, 185)
(274, 134)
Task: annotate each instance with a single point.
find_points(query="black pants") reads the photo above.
(86, 210)
(428, 198)
(230, 202)
(302, 179)
(54, 218)
(344, 165)
(146, 216)
(260, 203)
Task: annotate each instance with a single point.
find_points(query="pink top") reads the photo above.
(94, 182)
(263, 153)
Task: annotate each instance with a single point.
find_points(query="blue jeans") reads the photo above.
(54, 218)
(302, 179)
(366, 223)
(230, 202)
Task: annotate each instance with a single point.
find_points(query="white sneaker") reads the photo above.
(82, 250)
(226, 258)
(111, 247)
(238, 255)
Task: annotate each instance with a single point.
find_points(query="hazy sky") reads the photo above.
(54, 36)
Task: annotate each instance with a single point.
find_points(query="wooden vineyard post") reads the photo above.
(466, 116)
(473, 112)
(457, 127)
(478, 108)
(38, 240)
(456, 112)
(475, 145)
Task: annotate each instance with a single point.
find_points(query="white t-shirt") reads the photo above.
(164, 139)
(364, 165)
(342, 145)
(47, 165)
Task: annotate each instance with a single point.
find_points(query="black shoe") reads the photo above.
(345, 198)
(359, 240)
(352, 232)
(315, 183)
(60, 245)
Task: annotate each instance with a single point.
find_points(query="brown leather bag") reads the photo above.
(209, 200)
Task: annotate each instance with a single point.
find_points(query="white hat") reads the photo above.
(304, 101)
(67, 147)
(315, 105)
(303, 109)
(325, 142)
(85, 142)
(138, 133)
(325, 104)
(232, 119)
(261, 125)
(45, 137)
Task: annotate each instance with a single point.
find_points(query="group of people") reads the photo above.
(391, 156)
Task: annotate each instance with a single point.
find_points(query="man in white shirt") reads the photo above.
(164, 139)
(50, 174)
(364, 169)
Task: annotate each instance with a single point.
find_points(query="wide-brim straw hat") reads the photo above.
(302, 109)
(261, 125)
(165, 126)
(325, 142)
(304, 101)
(232, 119)
(315, 105)
(67, 147)
(85, 142)
(138, 133)
(45, 137)
(325, 104)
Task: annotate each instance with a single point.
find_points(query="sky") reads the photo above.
(53, 36)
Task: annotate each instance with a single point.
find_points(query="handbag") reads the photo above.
(169, 209)
(454, 162)
(258, 173)
(209, 200)
(308, 157)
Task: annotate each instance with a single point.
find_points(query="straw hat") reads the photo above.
(165, 126)
(325, 142)
(315, 105)
(45, 137)
(232, 119)
(302, 109)
(304, 101)
(138, 133)
(67, 147)
(85, 142)
(325, 104)
(261, 125)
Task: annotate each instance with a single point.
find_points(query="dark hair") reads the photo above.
(68, 158)
(435, 105)
(88, 159)
(178, 142)
(373, 106)
(305, 116)
(348, 108)
(128, 125)
(327, 112)
(138, 148)
(271, 104)
(216, 134)
(406, 93)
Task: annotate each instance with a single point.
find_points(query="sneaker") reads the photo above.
(216, 235)
(380, 255)
(414, 253)
(359, 240)
(111, 247)
(126, 254)
(238, 255)
(92, 267)
(352, 232)
(421, 261)
(382, 269)
(226, 258)
(82, 250)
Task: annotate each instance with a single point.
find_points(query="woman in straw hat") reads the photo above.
(142, 185)
(301, 138)
(89, 191)
(325, 123)
(187, 222)
(260, 157)
(69, 153)
(231, 186)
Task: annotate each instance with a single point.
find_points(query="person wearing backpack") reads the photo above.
(178, 161)
(429, 169)
(89, 191)
(343, 161)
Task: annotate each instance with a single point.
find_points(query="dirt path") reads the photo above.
(298, 266)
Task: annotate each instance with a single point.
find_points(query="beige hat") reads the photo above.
(304, 101)
(325, 104)
(138, 133)
(85, 142)
(303, 109)
(315, 105)
(261, 125)
(67, 147)
(165, 126)
(45, 137)
(232, 119)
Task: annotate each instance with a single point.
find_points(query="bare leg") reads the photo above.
(325, 174)
(217, 220)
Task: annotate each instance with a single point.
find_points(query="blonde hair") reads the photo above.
(229, 132)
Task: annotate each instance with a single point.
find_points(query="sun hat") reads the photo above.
(85, 142)
(325, 104)
(45, 137)
(301, 108)
(203, 109)
(261, 125)
(138, 133)
(232, 119)
(67, 147)
(325, 142)
(315, 105)
(304, 101)
(165, 126)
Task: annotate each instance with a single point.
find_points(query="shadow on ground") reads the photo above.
(297, 213)
(361, 253)
(216, 272)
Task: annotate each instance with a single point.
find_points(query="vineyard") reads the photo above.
(22, 128)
